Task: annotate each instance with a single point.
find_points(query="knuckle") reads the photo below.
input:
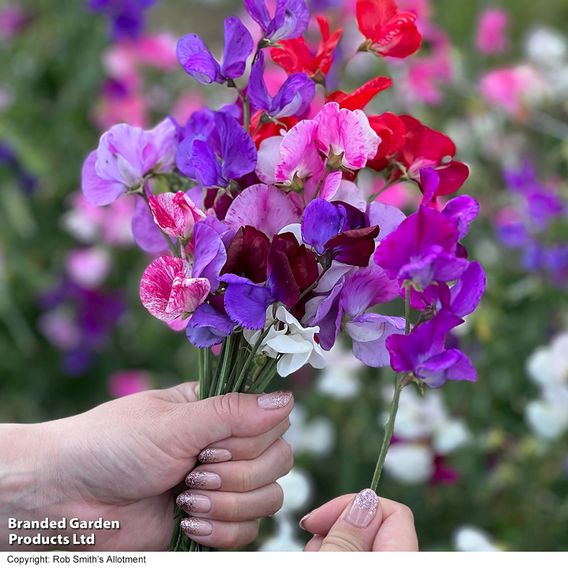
(340, 541)
(228, 405)
(277, 499)
(287, 454)
(245, 478)
(406, 512)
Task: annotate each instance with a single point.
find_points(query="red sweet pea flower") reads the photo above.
(362, 96)
(392, 132)
(388, 31)
(295, 55)
(260, 130)
(427, 148)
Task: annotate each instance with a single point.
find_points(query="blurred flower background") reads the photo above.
(483, 466)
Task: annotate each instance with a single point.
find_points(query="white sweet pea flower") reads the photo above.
(287, 337)
(472, 539)
(315, 436)
(340, 379)
(410, 463)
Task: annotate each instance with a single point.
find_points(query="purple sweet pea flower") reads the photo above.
(126, 17)
(196, 59)
(423, 353)
(347, 305)
(423, 250)
(225, 153)
(208, 327)
(290, 20)
(125, 156)
(293, 97)
(339, 231)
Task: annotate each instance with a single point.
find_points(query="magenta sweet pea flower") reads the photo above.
(292, 99)
(423, 353)
(422, 250)
(168, 291)
(175, 213)
(346, 134)
(126, 155)
(290, 20)
(196, 59)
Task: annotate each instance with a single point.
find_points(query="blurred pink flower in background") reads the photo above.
(88, 267)
(123, 383)
(513, 89)
(491, 36)
(13, 20)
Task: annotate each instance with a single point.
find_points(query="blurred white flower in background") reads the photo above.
(472, 539)
(546, 47)
(423, 430)
(316, 436)
(548, 369)
(340, 379)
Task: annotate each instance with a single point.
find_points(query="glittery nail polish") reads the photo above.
(203, 480)
(363, 509)
(196, 527)
(194, 502)
(215, 455)
(274, 400)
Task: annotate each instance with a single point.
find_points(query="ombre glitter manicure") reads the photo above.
(203, 480)
(196, 527)
(363, 510)
(274, 400)
(215, 455)
(194, 502)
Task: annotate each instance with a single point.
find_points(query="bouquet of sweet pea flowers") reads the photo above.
(265, 244)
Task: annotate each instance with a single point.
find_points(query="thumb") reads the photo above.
(214, 419)
(356, 528)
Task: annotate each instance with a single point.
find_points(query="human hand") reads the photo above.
(361, 523)
(123, 461)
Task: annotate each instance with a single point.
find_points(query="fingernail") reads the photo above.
(196, 527)
(303, 520)
(194, 502)
(363, 510)
(274, 400)
(215, 455)
(203, 480)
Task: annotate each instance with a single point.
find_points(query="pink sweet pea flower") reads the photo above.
(491, 31)
(176, 214)
(168, 291)
(346, 133)
(88, 267)
(125, 156)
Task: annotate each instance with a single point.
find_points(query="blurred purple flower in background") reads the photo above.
(126, 17)
(9, 160)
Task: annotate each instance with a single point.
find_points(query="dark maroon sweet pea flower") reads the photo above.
(224, 153)
(422, 250)
(293, 97)
(423, 353)
(196, 59)
(338, 230)
(247, 255)
(290, 19)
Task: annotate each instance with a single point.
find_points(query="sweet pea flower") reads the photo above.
(126, 17)
(292, 99)
(290, 20)
(126, 155)
(423, 353)
(389, 32)
(423, 250)
(287, 338)
(168, 291)
(208, 327)
(361, 97)
(295, 55)
(196, 59)
(175, 214)
(491, 36)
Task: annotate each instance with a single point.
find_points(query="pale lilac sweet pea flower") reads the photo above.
(347, 306)
(346, 133)
(196, 59)
(125, 156)
(423, 353)
(290, 19)
(292, 99)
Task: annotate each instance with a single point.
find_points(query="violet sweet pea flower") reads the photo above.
(168, 291)
(347, 305)
(208, 327)
(338, 231)
(196, 59)
(175, 214)
(423, 353)
(290, 19)
(227, 154)
(423, 250)
(126, 16)
(293, 97)
(125, 156)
